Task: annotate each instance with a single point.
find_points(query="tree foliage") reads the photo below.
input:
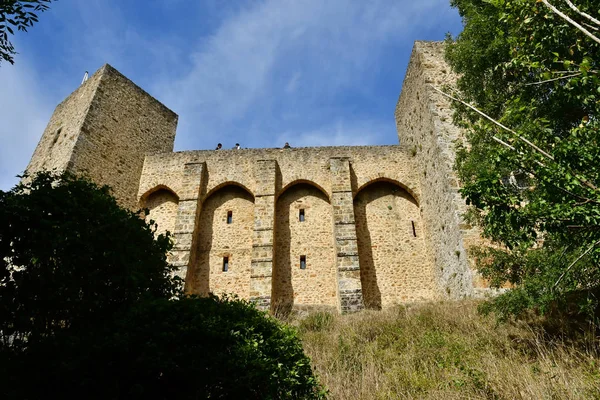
(20, 15)
(532, 181)
(193, 348)
(70, 255)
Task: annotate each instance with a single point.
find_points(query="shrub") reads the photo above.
(193, 348)
(69, 255)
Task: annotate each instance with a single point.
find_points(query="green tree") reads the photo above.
(530, 102)
(19, 14)
(69, 255)
(193, 348)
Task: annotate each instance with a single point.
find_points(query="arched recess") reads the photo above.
(394, 182)
(306, 182)
(162, 203)
(224, 237)
(310, 237)
(394, 264)
(227, 183)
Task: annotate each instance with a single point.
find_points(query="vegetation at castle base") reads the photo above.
(532, 184)
(20, 15)
(89, 309)
(193, 348)
(449, 351)
(69, 255)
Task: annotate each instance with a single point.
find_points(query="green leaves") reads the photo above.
(14, 12)
(192, 348)
(540, 78)
(73, 255)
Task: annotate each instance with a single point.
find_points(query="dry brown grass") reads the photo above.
(446, 351)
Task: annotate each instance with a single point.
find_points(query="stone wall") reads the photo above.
(55, 148)
(310, 164)
(330, 184)
(312, 238)
(104, 130)
(225, 232)
(162, 206)
(424, 123)
(394, 262)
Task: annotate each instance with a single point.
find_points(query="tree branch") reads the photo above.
(577, 10)
(575, 262)
(497, 123)
(590, 26)
(569, 20)
(553, 79)
(583, 181)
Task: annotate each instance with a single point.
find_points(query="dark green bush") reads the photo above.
(69, 255)
(194, 348)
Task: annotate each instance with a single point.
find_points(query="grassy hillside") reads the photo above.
(447, 351)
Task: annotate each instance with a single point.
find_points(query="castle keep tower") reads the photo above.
(340, 228)
(104, 129)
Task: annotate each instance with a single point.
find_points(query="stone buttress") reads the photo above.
(261, 277)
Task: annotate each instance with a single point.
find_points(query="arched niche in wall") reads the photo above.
(162, 204)
(394, 265)
(224, 244)
(304, 272)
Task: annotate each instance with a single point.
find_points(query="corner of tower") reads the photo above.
(424, 121)
(104, 130)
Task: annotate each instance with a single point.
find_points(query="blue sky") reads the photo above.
(258, 72)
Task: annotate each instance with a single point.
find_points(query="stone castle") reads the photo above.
(328, 227)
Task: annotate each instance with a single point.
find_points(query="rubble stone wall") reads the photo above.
(312, 238)
(220, 238)
(424, 124)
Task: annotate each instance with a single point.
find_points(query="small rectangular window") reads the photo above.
(414, 230)
(301, 215)
(225, 264)
(302, 262)
(229, 217)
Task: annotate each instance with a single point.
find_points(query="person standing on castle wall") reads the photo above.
(236, 147)
(287, 146)
(219, 146)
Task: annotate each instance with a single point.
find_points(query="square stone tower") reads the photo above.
(104, 130)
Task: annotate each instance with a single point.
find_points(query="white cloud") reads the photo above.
(25, 113)
(249, 70)
(292, 84)
(339, 133)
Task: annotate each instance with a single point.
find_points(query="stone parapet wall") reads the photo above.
(310, 164)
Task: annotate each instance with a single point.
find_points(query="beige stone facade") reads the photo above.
(327, 227)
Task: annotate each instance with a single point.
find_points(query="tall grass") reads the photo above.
(446, 351)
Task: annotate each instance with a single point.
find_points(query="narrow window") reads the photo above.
(56, 135)
(301, 215)
(302, 262)
(414, 230)
(229, 217)
(225, 264)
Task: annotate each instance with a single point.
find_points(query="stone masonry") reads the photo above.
(338, 228)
